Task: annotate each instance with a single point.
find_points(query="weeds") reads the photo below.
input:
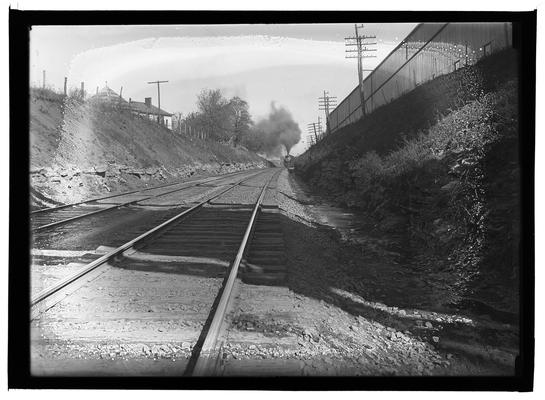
(448, 195)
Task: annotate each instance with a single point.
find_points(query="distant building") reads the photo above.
(143, 109)
(107, 95)
(148, 110)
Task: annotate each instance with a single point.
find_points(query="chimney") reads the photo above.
(147, 100)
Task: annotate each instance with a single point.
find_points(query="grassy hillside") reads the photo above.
(79, 149)
(436, 174)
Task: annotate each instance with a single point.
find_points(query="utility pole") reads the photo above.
(310, 138)
(179, 127)
(311, 129)
(325, 103)
(158, 95)
(359, 41)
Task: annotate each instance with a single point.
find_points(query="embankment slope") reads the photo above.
(436, 174)
(80, 149)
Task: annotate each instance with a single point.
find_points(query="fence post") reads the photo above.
(65, 82)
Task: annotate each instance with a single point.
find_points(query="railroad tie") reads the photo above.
(265, 262)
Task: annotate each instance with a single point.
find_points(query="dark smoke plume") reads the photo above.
(277, 130)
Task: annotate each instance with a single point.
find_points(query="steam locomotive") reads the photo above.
(289, 162)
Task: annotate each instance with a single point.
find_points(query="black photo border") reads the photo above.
(20, 22)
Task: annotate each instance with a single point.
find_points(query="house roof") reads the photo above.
(107, 94)
(141, 107)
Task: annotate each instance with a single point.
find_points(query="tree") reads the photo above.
(213, 114)
(240, 119)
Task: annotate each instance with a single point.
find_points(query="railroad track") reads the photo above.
(211, 243)
(105, 259)
(47, 218)
(254, 264)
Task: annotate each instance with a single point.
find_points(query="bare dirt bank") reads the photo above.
(79, 150)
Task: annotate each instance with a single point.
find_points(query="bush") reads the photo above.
(449, 196)
(48, 94)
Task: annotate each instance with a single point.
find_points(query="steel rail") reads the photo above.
(64, 221)
(41, 210)
(47, 292)
(208, 354)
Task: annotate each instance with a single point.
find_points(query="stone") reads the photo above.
(435, 339)
(429, 325)
(450, 186)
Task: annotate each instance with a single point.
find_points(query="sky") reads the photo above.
(290, 65)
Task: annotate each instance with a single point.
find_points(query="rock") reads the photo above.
(452, 185)
(186, 346)
(469, 161)
(435, 339)
(100, 169)
(428, 325)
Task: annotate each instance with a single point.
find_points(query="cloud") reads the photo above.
(199, 58)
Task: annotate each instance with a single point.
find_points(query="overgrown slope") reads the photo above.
(436, 173)
(82, 149)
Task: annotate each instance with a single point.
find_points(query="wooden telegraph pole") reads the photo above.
(359, 41)
(320, 131)
(311, 129)
(325, 103)
(158, 96)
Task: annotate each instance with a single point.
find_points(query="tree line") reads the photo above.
(228, 120)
